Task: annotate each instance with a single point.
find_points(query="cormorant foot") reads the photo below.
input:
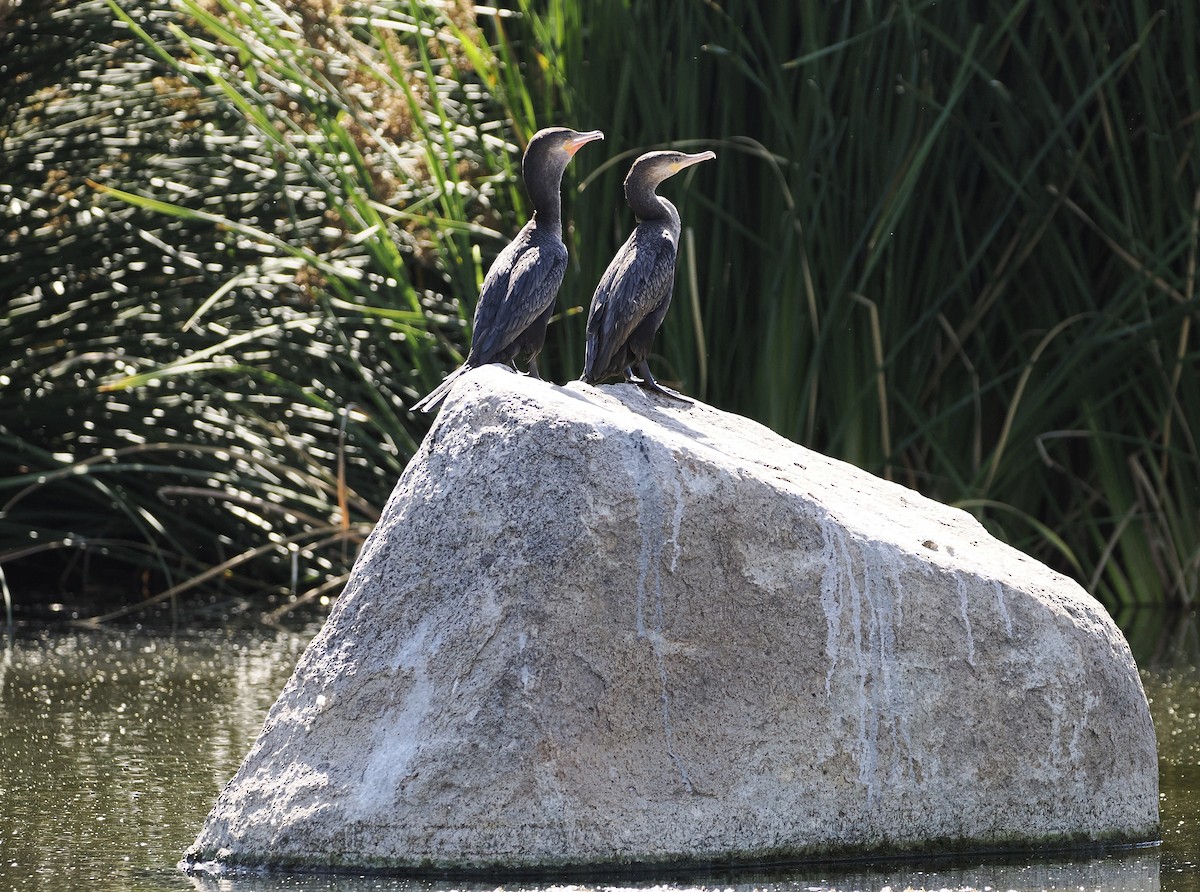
(654, 386)
(647, 382)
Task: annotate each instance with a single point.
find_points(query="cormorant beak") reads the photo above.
(579, 140)
(689, 160)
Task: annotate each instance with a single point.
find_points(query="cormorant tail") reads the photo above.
(434, 398)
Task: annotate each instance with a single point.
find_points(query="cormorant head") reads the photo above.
(652, 168)
(548, 152)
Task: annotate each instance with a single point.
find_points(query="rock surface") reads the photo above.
(597, 628)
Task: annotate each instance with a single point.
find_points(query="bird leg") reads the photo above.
(533, 369)
(648, 383)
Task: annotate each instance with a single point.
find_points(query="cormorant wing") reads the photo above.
(523, 295)
(635, 284)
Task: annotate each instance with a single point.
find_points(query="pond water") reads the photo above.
(115, 743)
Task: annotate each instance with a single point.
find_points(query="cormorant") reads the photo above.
(517, 297)
(635, 291)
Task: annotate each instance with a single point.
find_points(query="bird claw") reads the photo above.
(654, 386)
(647, 382)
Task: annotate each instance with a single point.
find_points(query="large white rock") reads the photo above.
(595, 627)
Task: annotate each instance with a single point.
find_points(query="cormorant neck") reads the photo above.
(547, 203)
(648, 206)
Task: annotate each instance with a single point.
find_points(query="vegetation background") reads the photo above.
(955, 244)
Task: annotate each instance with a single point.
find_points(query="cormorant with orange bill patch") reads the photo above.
(635, 291)
(518, 293)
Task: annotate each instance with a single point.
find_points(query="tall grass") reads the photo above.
(954, 244)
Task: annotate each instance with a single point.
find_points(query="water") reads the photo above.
(114, 745)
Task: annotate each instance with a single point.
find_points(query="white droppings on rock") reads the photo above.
(650, 471)
(861, 593)
(396, 741)
(1002, 609)
(836, 562)
(963, 605)
(676, 521)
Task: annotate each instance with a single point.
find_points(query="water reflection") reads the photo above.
(1170, 663)
(115, 744)
(1129, 874)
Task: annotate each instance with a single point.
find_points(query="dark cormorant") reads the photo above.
(517, 297)
(635, 291)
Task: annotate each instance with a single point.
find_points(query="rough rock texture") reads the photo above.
(594, 627)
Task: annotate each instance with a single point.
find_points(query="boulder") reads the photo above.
(595, 628)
